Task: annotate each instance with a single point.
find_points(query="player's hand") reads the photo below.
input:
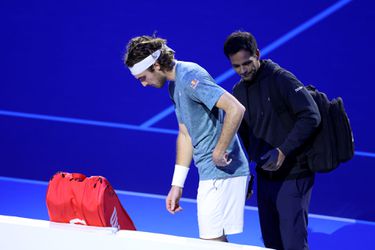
(221, 159)
(172, 201)
(275, 159)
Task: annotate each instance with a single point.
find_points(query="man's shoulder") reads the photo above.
(190, 71)
(187, 68)
(269, 68)
(274, 74)
(273, 69)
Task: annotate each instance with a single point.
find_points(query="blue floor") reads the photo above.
(26, 198)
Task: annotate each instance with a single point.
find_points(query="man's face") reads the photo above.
(245, 64)
(155, 79)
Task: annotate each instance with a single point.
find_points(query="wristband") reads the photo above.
(179, 175)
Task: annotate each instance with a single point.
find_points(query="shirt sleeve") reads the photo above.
(203, 89)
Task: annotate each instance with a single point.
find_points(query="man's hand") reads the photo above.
(221, 159)
(275, 160)
(172, 201)
(250, 190)
(249, 194)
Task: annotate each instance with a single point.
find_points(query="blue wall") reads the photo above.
(67, 103)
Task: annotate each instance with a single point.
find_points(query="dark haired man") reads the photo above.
(284, 182)
(204, 133)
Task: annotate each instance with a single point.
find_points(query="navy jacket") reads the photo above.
(262, 129)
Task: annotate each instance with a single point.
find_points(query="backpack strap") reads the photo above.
(278, 103)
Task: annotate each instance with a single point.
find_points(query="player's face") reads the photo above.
(245, 64)
(155, 79)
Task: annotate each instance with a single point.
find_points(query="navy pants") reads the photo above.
(283, 209)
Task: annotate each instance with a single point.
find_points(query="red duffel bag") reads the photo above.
(73, 198)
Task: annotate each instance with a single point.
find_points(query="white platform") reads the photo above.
(20, 233)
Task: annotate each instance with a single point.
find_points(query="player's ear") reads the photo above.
(157, 66)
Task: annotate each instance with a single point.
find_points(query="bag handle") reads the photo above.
(77, 221)
(78, 176)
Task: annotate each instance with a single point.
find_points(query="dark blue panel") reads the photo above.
(75, 107)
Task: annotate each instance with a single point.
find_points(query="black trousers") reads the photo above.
(283, 209)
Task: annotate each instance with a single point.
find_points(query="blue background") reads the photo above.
(67, 103)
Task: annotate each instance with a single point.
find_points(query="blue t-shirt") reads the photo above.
(194, 94)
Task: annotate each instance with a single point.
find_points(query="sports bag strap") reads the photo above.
(279, 105)
(248, 101)
(78, 176)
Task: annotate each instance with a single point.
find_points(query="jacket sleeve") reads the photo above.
(243, 130)
(244, 133)
(303, 107)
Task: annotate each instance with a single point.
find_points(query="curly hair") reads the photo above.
(240, 40)
(141, 47)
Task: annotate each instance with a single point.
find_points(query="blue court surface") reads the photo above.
(26, 198)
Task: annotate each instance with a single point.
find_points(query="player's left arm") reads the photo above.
(234, 112)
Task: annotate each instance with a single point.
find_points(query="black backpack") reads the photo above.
(332, 142)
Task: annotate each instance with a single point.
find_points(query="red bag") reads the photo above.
(73, 198)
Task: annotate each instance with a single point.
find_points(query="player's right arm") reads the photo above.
(184, 156)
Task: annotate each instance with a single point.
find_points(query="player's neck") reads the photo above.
(171, 75)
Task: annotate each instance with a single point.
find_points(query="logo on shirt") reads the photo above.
(194, 83)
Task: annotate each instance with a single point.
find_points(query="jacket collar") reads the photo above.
(266, 68)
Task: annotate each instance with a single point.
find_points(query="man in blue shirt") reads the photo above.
(205, 134)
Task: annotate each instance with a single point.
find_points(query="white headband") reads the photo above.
(145, 63)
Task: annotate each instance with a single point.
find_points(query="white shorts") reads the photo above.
(221, 205)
